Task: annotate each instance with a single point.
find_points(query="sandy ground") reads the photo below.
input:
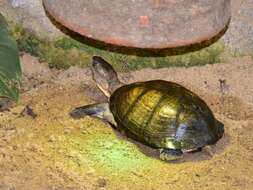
(42, 148)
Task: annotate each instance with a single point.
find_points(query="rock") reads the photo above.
(34, 73)
(32, 68)
(31, 15)
(239, 36)
(149, 24)
(5, 104)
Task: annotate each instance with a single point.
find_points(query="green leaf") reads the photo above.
(10, 69)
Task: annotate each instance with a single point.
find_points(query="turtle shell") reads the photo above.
(163, 114)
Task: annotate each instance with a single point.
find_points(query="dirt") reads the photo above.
(41, 147)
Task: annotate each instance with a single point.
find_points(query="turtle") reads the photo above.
(160, 114)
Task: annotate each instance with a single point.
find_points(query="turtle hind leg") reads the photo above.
(168, 154)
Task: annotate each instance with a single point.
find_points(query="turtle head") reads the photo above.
(104, 75)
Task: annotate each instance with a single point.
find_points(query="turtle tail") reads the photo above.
(218, 132)
(220, 129)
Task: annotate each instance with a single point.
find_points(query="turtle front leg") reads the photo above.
(100, 110)
(167, 154)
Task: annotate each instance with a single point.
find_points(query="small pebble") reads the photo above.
(101, 182)
(52, 138)
(29, 111)
(90, 172)
(67, 130)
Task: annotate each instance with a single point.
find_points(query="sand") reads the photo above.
(43, 148)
